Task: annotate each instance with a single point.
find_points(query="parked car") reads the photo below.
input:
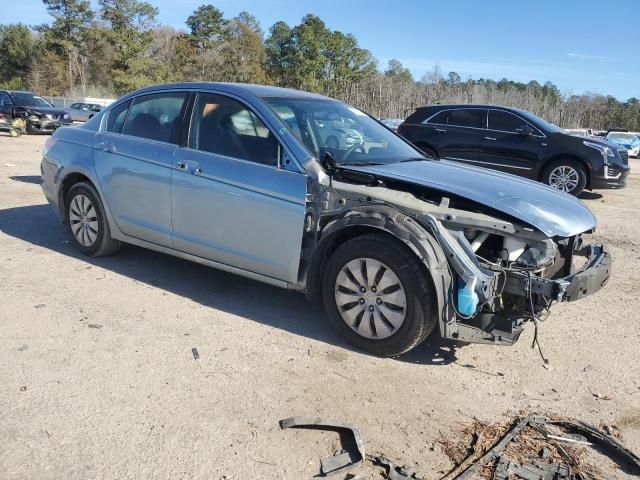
(580, 132)
(337, 132)
(629, 140)
(39, 115)
(392, 123)
(81, 112)
(396, 244)
(517, 142)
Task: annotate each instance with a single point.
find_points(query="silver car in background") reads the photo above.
(81, 112)
(243, 178)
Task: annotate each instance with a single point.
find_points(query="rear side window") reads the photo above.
(225, 126)
(505, 121)
(441, 118)
(117, 115)
(418, 116)
(155, 116)
(468, 117)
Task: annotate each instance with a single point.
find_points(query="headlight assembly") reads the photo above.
(606, 152)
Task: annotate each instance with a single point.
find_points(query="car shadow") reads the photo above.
(35, 179)
(585, 195)
(256, 301)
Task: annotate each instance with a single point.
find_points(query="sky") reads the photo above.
(580, 45)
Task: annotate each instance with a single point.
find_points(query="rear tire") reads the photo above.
(87, 221)
(566, 175)
(385, 322)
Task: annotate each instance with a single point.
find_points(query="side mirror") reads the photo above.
(525, 131)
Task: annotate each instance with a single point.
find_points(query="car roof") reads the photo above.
(444, 106)
(237, 88)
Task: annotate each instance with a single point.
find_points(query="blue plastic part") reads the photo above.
(467, 297)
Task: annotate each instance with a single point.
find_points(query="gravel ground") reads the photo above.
(98, 379)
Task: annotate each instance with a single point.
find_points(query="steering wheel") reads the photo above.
(359, 146)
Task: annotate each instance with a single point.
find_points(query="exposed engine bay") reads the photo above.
(492, 272)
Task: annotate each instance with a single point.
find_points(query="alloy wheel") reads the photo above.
(564, 178)
(370, 298)
(84, 220)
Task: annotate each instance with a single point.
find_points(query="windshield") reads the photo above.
(540, 123)
(41, 102)
(25, 99)
(350, 136)
(621, 136)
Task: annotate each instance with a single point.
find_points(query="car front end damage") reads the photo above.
(492, 272)
(47, 122)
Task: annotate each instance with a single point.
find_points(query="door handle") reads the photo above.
(107, 146)
(441, 130)
(181, 165)
(490, 138)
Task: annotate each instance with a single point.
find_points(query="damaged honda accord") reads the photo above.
(245, 178)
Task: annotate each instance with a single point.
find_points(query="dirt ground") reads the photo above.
(98, 379)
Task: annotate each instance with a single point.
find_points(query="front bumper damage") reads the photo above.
(590, 278)
(509, 289)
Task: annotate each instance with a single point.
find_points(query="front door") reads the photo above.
(511, 144)
(458, 134)
(134, 158)
(232, 202)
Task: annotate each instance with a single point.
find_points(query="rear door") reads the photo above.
(459, 133)
(233, 202)
(507, 149)
(133, 158)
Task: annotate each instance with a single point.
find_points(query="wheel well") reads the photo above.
(330, 244)
(555, 158)
(68, 182)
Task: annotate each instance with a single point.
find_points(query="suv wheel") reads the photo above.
(87, 222)
(566, 175)
(378, 295)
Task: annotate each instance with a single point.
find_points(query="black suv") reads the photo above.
(40, 115)
(517, 142)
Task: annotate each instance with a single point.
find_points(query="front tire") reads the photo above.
(87, 221)
(378, 295)
(566, 175)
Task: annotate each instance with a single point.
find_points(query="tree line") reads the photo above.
(120, 46)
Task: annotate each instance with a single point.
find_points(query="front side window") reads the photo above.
(117, 115)
(225, 126)
(505, 121)
(155, 116)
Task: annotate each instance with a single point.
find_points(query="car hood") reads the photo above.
(551, 211)
(43, 110)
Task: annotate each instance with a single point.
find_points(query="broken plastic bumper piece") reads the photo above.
(591, 277)
(341, 461)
